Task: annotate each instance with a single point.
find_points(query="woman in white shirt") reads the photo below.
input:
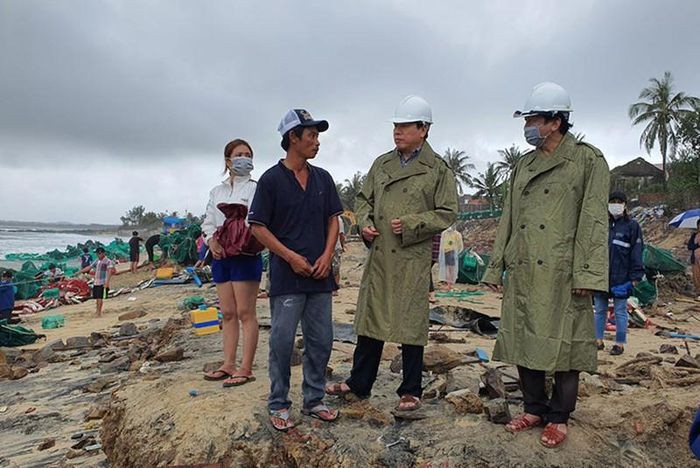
(237, 278)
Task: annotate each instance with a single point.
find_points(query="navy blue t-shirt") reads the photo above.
(299, 220)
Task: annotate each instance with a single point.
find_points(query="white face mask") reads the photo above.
(616, 209)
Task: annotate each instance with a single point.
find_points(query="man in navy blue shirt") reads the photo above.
(294, 214)
(7, 295)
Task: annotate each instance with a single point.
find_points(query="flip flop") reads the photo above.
(414, 401)
(282, 414)
(551, 432)
(319, 412)
(224, 375)
(242, 380)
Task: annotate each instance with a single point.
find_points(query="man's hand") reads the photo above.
(497, 288)
(216, 250)
(369, 233)
(300, 265)
(322, 267)
(581, 292)
(396, 226)
(635, 283)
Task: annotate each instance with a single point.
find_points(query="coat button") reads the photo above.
(522, 226)
(520, 262)
(541, 226)
(376, 247)
(585, 266)
(386, 188)
(545, 190)
(393, 250)
(381, 217)
(540, 262)
(422, 225)
(526, 192)
(405, 190)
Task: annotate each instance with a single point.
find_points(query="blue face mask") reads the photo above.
(533, 137)
(241, 166)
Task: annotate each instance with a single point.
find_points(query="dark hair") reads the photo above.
(135, 233)
(563, 117)
(427, 127)
(7, 274)
(85, 250)
(298, 131)
(100, 250)
(51, 265)
(232, 145)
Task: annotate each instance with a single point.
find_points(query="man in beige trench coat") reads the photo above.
(409, 196)
(551, 252)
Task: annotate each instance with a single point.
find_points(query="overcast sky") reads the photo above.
(109, 104)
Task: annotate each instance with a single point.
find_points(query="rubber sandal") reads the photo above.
(336, 389)
(282, 414)
(617, 350)
(414, 402)
(242, 380)
(318, 413)
(521, 423)
(224, 375)
(552, 433)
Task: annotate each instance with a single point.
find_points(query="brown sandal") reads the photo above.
(552, 433)
(522, 423)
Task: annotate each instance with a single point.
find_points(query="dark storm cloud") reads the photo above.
(160, 86)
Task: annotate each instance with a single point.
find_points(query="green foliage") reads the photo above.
(488, 184)
(458, 161)
(134, 216)
(661, 111)
(509, 158)
(349, 190)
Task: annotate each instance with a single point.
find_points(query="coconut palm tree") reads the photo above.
(580, 137)
(661, 111)
(458, 161)
(487, 184)
(509, 158)
(350, 188)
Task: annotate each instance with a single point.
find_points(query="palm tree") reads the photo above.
(509, 158)
(458, 161)
(350, 188)
(487, 184)
(580, 137)
(661, 111)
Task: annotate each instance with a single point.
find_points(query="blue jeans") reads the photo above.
(600, 301)
(314, 311)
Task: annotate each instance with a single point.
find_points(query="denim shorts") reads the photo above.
(238, 268)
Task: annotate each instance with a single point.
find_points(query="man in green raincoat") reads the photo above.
(410, 195)
(550, 253)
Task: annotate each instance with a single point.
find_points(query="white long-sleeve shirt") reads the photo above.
(241, 191)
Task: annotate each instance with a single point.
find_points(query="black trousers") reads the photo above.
(432, 285)
(368, 354)
(563, 402)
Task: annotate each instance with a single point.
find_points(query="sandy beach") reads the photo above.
(141, 412)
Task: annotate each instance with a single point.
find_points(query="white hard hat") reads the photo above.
(413, 109)
(545, 97)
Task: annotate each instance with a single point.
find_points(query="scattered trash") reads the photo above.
(397, 442)
(47, 444)
(3, 409)
(193, 393)
(31, 409)
(482, 355)
(131, 298)
(53, 321)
